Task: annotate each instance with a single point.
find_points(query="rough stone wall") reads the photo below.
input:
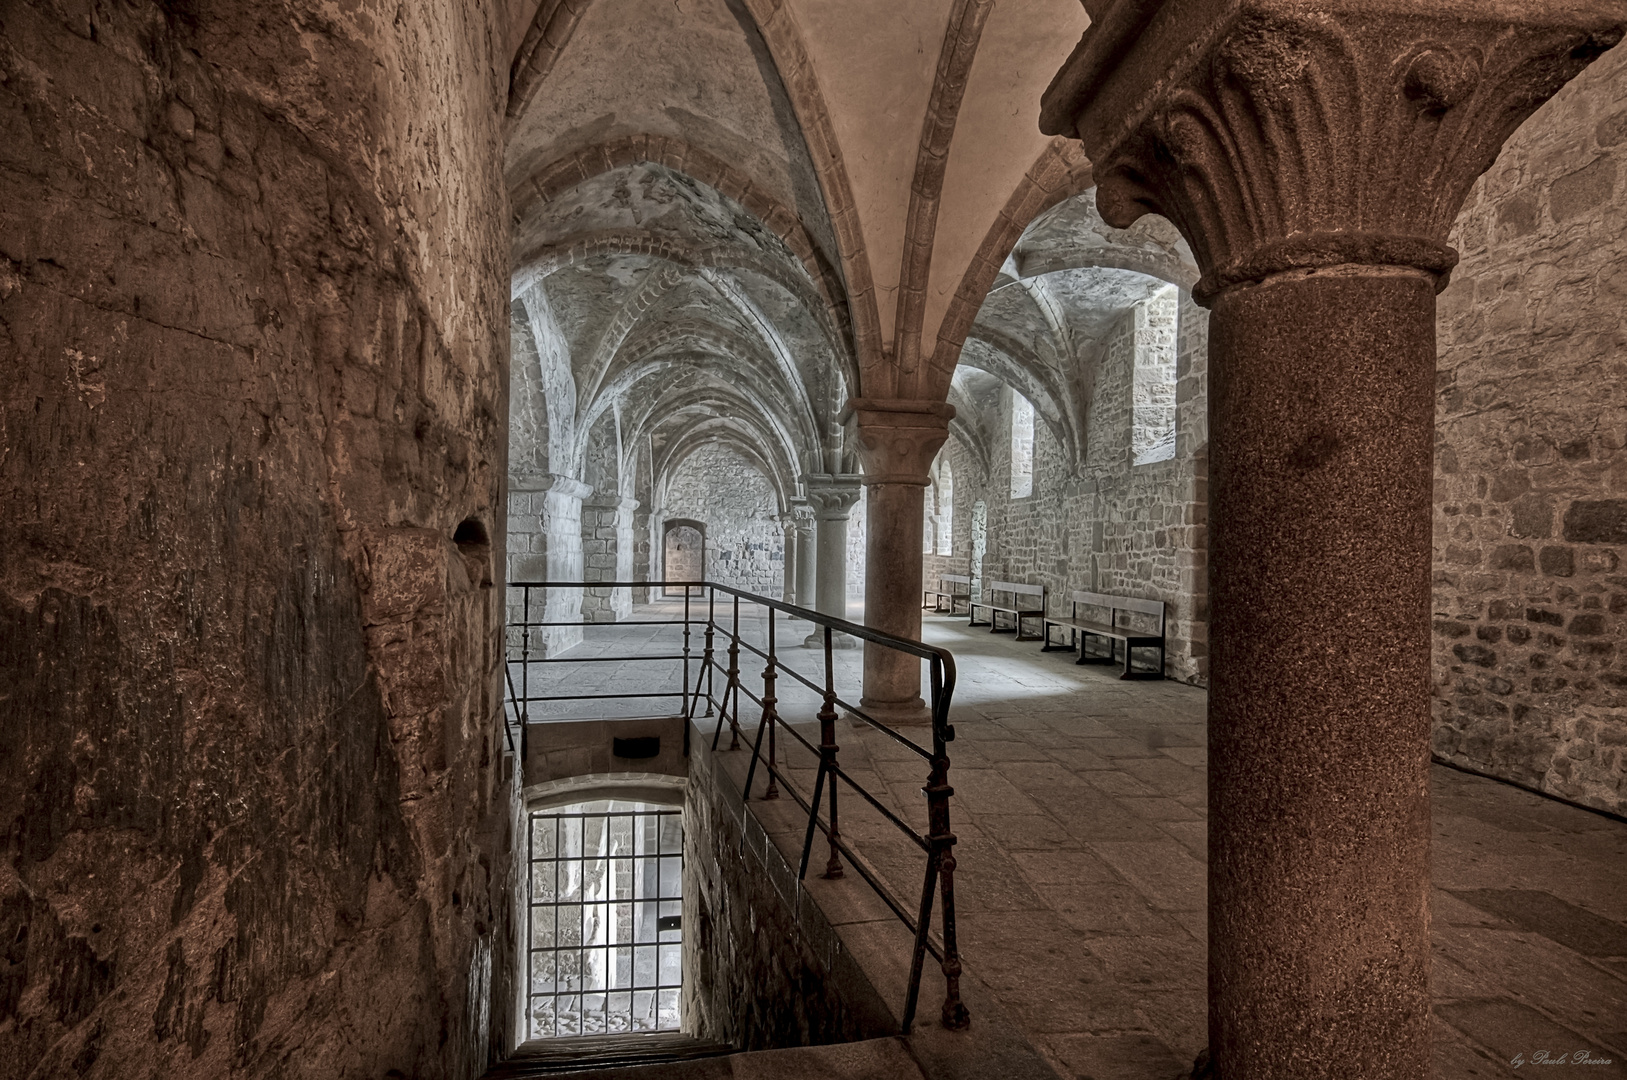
(1135, 530)
(1531, 472)
(252, 307)
(745, 546)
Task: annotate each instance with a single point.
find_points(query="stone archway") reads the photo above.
(683, 553)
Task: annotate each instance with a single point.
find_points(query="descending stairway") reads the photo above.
(566, 1057)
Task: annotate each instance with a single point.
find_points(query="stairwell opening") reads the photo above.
(605, 925)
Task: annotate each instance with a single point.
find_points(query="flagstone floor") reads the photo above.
(1080, 810)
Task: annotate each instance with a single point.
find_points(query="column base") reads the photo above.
(838, 640)
(897, 713)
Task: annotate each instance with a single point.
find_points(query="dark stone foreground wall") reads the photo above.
(252, 378)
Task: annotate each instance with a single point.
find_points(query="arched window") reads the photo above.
(946, 506)
(1022, 447)
(1152, 431)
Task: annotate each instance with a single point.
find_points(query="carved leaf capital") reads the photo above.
(1294, 135)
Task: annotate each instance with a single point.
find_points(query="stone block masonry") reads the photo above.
(252, 775)
(1531, 458)
(763, 965)
(745, 545)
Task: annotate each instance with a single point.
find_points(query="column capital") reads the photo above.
(1292, 135)
(899, 438)
(554, 483)
(613, 501)
(832, 495)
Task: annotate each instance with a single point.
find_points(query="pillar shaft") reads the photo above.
(832, 497)
(788, 575)
(1319, 686)
(898, 440)
(1314, 153)
(807, 564)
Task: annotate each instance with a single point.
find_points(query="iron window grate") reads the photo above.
(605, 936)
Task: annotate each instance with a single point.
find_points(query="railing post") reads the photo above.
(688, 710)
(827, 756)
(525, 674)
(734, 680)
(770, 713)
(942, 841)
(711, 613)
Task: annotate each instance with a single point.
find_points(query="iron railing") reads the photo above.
(698, 696)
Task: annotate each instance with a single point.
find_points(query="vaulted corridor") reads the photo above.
(376, 375)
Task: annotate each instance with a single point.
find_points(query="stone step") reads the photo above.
(592, 1053)
(870, 1059)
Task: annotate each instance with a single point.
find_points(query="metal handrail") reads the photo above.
(938, 842)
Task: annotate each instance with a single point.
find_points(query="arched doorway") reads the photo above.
(683, 552)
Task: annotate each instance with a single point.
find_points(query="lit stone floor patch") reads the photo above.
(1080, 809)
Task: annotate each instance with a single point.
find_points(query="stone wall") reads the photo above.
(763, 967)
(253, 280)
(1531, 481)
(745, 544)
(1136, 530)
(607, 555)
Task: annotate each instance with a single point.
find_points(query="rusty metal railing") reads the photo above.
(699, 696)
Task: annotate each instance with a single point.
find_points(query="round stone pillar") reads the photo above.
(806, 563)
(832, 497)
(788, 575)
(1314, 154)
(897, 442)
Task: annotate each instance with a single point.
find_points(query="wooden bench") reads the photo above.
(1027, 602)
(954, 588)
(1114, 630)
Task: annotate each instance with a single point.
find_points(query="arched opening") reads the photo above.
(683, 550)
(605, 908)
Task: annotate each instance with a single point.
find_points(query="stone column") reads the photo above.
(607, 550)
(1314, 153)
(552, 531)
(832, 496)
(806, 563)
(788, 577)
(897, 442)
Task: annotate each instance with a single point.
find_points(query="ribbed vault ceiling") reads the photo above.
(733, 216)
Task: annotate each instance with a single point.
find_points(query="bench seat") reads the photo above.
(1081, 630)
(1026, 602)
(955, 588)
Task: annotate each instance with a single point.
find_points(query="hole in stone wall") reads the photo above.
(474, 544)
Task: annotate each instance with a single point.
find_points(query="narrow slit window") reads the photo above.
(1022, 447)
(1152, 434)
(605, 935)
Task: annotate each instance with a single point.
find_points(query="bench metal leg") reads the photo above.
(1131, 673)
(1084, 651)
